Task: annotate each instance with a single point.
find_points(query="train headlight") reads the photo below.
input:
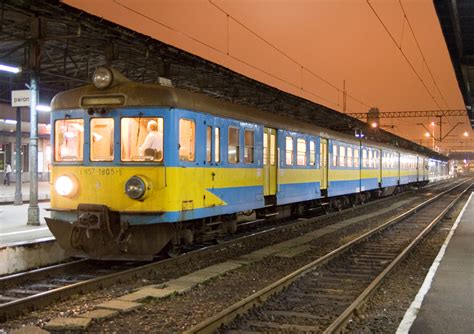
(135, 187)
(103, 77)
(65, 185)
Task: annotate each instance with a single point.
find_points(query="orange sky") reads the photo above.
(309, 47)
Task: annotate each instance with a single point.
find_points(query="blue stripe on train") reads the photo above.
(297, 192)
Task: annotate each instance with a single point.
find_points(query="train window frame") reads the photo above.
(342, 156)
(95, 137)
(141, 156)
(289, 152)
(300, 153)
(349, 157)
(249, 147)
(191, 157)
(312, 153)
(335, 149)
(237, 146)
(217, 144)
(364, 158)
(58, 147)
(209, 151)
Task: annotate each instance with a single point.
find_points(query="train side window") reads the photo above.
(370, 159)
(272, 149)
(69, 140)
(356, 157)
(349, 157)
(265, 149)
(334, 155)
(141, 139)
(249, 144)
(342, 156)
(301, 152)
(234, 147)
(187, 139)
(289, 151)
(102, 139)
(364, 158)
(209, 144)
(217, 145)
(312, 156)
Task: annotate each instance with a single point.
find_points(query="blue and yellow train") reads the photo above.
(141, 168)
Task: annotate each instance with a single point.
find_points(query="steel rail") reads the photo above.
(39, 273)
(338, 325)
(11, 309)
(227, 315)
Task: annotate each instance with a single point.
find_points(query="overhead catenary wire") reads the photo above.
(403, 54)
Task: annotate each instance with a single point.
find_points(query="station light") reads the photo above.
(427, 134)
(10, 69)
(374, 124)
(432, 124)
(40, 107)
(465, 134)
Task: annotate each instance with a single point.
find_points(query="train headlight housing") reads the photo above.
(102, 77)
(65, 186)
(135, 187)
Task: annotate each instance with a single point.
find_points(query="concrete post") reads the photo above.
(33, 209)
(18, 196)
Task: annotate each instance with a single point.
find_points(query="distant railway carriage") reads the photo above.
(139, 168)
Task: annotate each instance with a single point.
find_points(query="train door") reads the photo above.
(323, 162)
(212, 161)
(269, 162)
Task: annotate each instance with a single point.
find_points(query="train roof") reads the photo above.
(126, 93)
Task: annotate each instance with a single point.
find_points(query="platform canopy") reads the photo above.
(300, 59)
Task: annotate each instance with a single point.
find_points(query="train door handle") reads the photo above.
(213, 174)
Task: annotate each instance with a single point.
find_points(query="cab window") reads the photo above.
(187, 139)
(102, 139)
(249, 140)
(301, 152)
(69, 140)
(234, 147)
(289, 151)
(141, 139)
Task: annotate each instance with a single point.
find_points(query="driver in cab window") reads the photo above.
(153, 144)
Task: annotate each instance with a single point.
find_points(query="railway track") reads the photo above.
(32, 290)
(323, 295)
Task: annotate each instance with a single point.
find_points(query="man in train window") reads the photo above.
(152, 146)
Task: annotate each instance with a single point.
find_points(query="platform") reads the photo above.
(7, 193)
(13, 227)
(445, 302)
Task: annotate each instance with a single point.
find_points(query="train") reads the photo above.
(141, 169)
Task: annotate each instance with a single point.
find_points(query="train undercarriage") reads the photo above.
(96, 232)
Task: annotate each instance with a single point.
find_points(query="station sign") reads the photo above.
(21, 98)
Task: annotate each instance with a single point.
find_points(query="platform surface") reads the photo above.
(7, 193)
(13, 227)
(448, 307)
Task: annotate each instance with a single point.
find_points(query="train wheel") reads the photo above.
(173, 250)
